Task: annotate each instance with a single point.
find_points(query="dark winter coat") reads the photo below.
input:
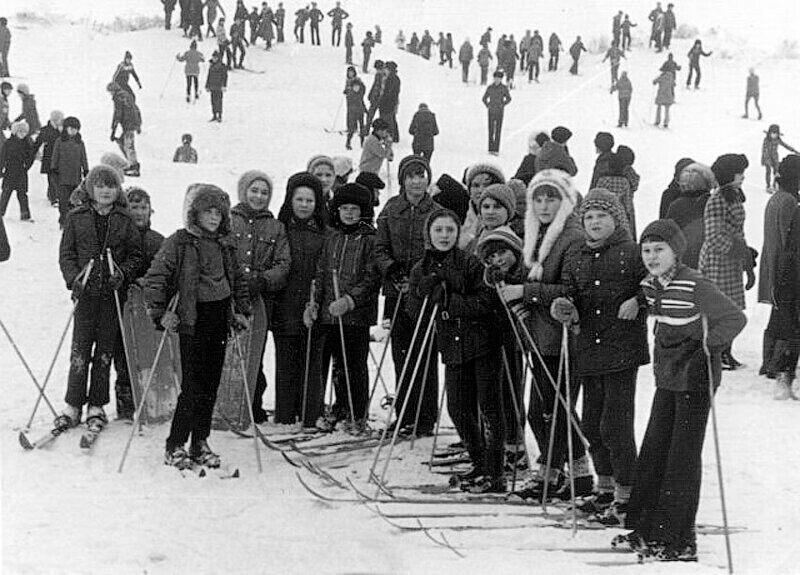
(423, 128)
(47, 138)
(601, 167)
(778, 217)
(196, 12)
(80, 243)
(527, 169)
(496, 98)
(217, 78)
(484, 56)
(348, 39)
(30, 114)
(687, 211)
(4, 108)
(554, 43)
(151, 243)
(679, 360)
(553, 155)
(306, 241)
(126, 113)
(263, 249)
(576, 49)
(69, 160)
(467, 323)
(391, 94)
(784, 322)
(376, 91)
(599, 280)
(16, 158)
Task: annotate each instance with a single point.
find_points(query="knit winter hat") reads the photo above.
(201, 197)
(561, 134)
(727, 166)
(410, 162)
(503, 195)
(452, 196)
(501, 236)
(20, 129)
(370, 181)
(320, 159)
(605, 201)
(102, 175)
(494, 172)
(247, 179)
(666, 231)
(696, 177)
(72, 122)
(604, 141)
(551, 180)
(352, 194)
(789, 173)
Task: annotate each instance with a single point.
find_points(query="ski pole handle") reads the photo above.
(312, 293)
(336, 284)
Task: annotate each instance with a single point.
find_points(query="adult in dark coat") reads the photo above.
(673, 188)
(280, 19)
(390, 100)
(16, 158)
(554, 47)
(423, 127)
(465, 56)
(575, 51)
(375, 92)
(29, 112)
(315, 16)
(696, 182)
(496, 98)
(216, 84)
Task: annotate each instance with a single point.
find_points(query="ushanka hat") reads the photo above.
(352, 194)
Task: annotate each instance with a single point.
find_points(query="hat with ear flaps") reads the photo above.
(494, 172)
(550, 181)
(200, 197)
(248, 178)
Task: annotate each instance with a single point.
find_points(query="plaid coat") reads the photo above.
(724, 226)
(620, 186)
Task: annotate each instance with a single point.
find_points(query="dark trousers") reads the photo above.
(540, 414)
(299, 33)
(336, 36)
(484, 75)
(495, 129)
(424, 152)
(624, 106)
(167, 19)
(52, 187)
(279, 30)
(64, 192)
(552, 63)
(355, 123)
(574, 68)
(523, 58)
(191, 82)
(261, 386)
(194, 30)
(512, 391)
(225, 54)
(667, 38)
(238, 48)
(747, 99)
(122, 387)
(614, 74)
(608, 404)
(4, 72)
(666, 491)
(402, 333)
(473, 397)
(314, 35)
(373, 108)
(290, 377)
(365, 63)
(465, 72)
(391, 118)
(19, 185)
(202, 358)
(348, 54)
(626, 40)
(356, 346)
(693, 68)
(533, 69)
(94, 333)
(216, 103)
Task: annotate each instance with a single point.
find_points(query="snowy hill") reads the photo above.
(66, 512)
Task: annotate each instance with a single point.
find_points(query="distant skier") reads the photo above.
(128, 117)
(656, 18)
(124, 71)
(192, 58)
(337, 16)
(185, 153)
(423, 128)
(625, 89)
(238, 41)
(484, 57)
(665, 96)
(280, 20)
(626, 32)
(5, 46)
(614, 55)
(216, 84)
(465, 57)
(390, 100)
(15, 161)
(616, 29)
(535, 53)
(486, 38)
(753, 92)
(554, 47)
(348, 44)
(46, 140)
(575, 51)
(211, 15)
(366, 50)
(669, 26)
(496, 98)
(770, 158)
(694, 62)
(670, 65)
(300, 19)
(354, 90)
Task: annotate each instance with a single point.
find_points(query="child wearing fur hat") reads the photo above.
(185, 153)
(694, 322)
(553, 234)
(304, 216)
(199, 265)
(400, 244)
(696, 182)
(69, 163)
(263, 251)
(90, 231)
(555, 154)
(604, 299)
(16, 157)
(450, 280)
(769, 154)
(348, 282)
(725, 255)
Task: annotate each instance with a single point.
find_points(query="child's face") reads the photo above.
(504, 259)
(773, 135)
(72, 130)
(210, 219)
(658, 257)
(415, 183)
(303, 203)
(349, 214)
(546, 207)
(382, 134)
(493, 213)
(104, 194)
(599, 225)
(258, 195)
(738, 179)
(326, 177)
(140, 210)
(444, 233)
(476, 187)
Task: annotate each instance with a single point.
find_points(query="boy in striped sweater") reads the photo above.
(695, 321)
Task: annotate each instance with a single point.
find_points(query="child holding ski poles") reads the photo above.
(450, 280)
(348, 282)
(90, 230)
(298, 394)
(198, 264)
(695, 321)
(770, 158)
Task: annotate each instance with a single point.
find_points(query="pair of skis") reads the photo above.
(87, 439)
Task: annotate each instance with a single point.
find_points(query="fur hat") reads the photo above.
(117, 162)
(497, 74)
(605, 201)
(503, 235)
(248, 178)
(494, 172)
(727, 166)
(135, 194)
(320, 159)
(342, 166)
(789, 173)
(102, 174)
(23, 89)
(561, 182)
(560, 134)
(352, 194)
(536, 139)
(370, 181)
(72, 122)
(503, 195)
(409, 161)
(379, 124)
(666, 231)
(303, 180)
(452, 196)
(696, 177)
(201, 197)
(604, 141)
(20, 129)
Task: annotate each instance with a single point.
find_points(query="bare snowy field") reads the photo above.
(66, 512)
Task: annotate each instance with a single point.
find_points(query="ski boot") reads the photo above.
(597, 504)
(783, 387)
(614, 515)
(584, 487)
(202, 454)
(684, 552)
(70, 417)
(632, 541)
(461, 480)
(177, 457)
(533, 488)
(485, 484)
(125, 407)
(515, 457)
(327, 423)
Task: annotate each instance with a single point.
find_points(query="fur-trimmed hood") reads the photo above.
(561, 181)
(200, 197)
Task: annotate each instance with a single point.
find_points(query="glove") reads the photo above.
(750, 259)
(240, 322)
(564, 311)
(116, 280)
(341, 306)
(751, 279)
(493, 275)
(396, 273)
(256, 286)
(310, 314)
(427, 284)
(169, 321)
(77, 289)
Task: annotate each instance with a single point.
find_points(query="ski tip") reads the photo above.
(235, 473)
(202, 473)
(24, 441)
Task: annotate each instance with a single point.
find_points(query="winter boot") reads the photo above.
(533, 488)
(125, 407)
(614, 515)
(177, 457)
(783, 386)
(583, 488)
(326, 423)
(132, 171)
(462, 480)
(202, 454)
(632, 541)
(485, 484)
(597, 504)
(684, 552)
(70, 417)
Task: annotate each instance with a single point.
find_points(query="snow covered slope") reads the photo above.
(65, 512)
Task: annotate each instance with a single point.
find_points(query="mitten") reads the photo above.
(169, 321)
(750, 259)
(427, 283)
(564, 311)
(116, 280)
(493, 275)
(310, 314)
(341, 306)
(396, 273)
(751, 279)
(240, 322)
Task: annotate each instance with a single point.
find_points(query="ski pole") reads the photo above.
(570, 453)
(551, 437)
(337, 294)
(398, 384)
(383, 354)
(517, 337)
(438, 423)
(424, 386)
(173, 304)
(169, 77)
(709, 367)
(311, 298)
(336, 117)
(84, 278)
(378, 374)
(243, 369)
(125, 347)
(389, 176)
(519, 418)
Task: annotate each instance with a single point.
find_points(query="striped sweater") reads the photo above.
(678, 305)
